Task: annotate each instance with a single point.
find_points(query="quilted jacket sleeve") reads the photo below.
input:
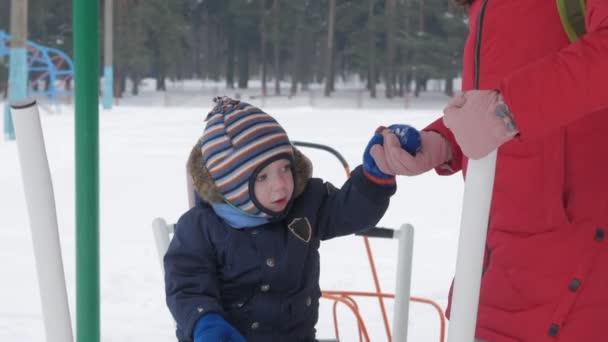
(563, 87)
(191, 284)
(357, 206)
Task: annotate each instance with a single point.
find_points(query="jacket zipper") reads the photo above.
(482, 12)
(480, 17)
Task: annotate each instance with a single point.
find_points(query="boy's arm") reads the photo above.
(357, 206)
(191, 284)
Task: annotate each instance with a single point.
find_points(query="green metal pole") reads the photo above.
(86, 87)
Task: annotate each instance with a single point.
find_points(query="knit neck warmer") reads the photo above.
(237, 218)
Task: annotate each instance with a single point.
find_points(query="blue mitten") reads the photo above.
(213, 328)
(409, 138)
(369, 164)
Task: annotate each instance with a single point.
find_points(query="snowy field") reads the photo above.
(144, 143)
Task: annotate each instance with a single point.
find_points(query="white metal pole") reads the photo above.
(43, 221)
(161, 238)
(405, 234)
(477, 199)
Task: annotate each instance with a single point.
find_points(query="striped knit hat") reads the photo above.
(238, 139)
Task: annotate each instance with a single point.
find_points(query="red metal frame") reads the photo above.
(339, 296)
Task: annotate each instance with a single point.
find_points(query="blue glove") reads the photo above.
(409, 138)
(369, 164)
(213, 328)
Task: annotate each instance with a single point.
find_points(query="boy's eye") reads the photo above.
(261, 178)
(286, 168)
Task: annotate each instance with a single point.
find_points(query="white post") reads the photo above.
(404, 279)
(43, 221)
(161, 238)
(471, 246)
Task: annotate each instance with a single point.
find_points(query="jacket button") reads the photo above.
(265, 288)
(553, 330)
(254, 231)
(270, 262)
(308, 301)
(599, 234)
(238, 305)
(574, 285)
(255, 325)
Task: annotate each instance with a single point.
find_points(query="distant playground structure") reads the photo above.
(50, 71)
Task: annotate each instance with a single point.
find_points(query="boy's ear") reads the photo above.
(302, 171)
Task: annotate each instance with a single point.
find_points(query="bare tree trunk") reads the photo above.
(120, 13)
(297, 43)
(449, 85)
(3, 79)
(213, 52)
(419, 87)
(307, 59)
(263, 44)
(243, 61)
(277, 69)
(407, 52)
(203, 54)
(160, 79)
(230, 57)
(421, 17)
(196, 37)
(371, 76)
(320, 57)
(390, 48)
(135, 85)
(118, 82)
(329, 75)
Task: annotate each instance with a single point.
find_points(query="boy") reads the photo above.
(244, 262)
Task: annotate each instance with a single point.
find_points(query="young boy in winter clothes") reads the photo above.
(244, 262)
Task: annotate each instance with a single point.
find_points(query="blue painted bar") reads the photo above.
(108, 81)
(17, 86)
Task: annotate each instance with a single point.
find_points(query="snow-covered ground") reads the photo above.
(144, 143)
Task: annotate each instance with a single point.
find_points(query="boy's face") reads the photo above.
(274, 185)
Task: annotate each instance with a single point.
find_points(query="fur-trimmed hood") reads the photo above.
(208, 192)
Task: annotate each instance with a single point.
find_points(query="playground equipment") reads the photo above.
(50, 71)
(163, 233)
(43, 221)
(41, 208)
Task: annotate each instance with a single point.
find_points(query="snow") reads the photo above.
(144, 143)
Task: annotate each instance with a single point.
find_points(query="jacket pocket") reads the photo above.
(300, 311)
(529, 185)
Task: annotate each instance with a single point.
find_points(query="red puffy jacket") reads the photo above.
(546, 269)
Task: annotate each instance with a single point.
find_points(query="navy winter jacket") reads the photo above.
(265, 280)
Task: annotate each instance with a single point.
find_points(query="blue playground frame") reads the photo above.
(47, 64)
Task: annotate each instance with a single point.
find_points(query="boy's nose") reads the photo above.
(281, 182)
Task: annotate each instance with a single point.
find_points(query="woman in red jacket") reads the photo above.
(543, 102)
